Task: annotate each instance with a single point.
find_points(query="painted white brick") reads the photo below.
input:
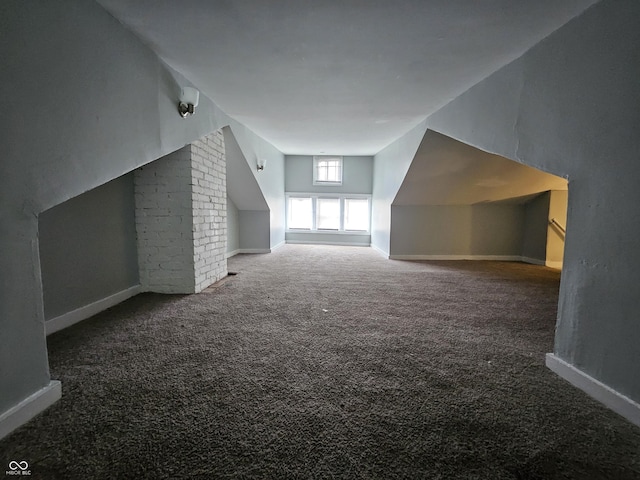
(181, 218)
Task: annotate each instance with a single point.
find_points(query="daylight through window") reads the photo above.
(356, 214)
(300, 213)
(327, 170)
(335, 213)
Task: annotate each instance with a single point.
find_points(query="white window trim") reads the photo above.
(318, 158)
(314, 197)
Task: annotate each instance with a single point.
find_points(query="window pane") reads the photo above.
(328, 170)
(356, 214)
(300, 213)
(333, 172)
(328, 214)
(322, 171)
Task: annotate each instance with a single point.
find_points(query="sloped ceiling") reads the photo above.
(338, 77)
(447, 172)
(242, 187)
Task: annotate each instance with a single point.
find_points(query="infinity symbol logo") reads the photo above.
(13, 465)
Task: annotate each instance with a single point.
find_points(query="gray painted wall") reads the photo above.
(569, 106)
(106, 106)
(270, 180)
(534, 245)
(460, 230)
(233, 233)
(357, 175)
(88, 247)
(390, 167)
(247, 196)
(242, 186)
(253, 229)
(329, 238)
(487, 192)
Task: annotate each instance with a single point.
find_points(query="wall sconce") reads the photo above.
(261, 163)
(188, 101)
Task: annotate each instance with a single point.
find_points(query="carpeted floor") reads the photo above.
(326, 362)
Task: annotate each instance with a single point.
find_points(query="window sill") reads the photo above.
(330, 232)
(327, 184)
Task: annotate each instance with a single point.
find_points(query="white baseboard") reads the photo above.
(343, 244)
(282, 243)
(533, 261)
(606, 395)
(496, 258)
(67, 319)
(380, 251)
(249, 250)
(28, 408)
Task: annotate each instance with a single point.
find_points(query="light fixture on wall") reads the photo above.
(188, 101)
(261, 162)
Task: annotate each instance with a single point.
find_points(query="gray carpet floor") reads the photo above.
(326, 362)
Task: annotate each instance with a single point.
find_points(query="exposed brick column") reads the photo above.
(209, 201)
(181, 218)
(163, 223)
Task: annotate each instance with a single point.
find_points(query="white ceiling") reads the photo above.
(338, 77)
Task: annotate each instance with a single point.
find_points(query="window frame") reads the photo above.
(288, 213)
(314, 212)
(343, 212)
(331, 183)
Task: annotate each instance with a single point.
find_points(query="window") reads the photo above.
(300, 213)
(327, 170)
(328, 213)
(356, 214)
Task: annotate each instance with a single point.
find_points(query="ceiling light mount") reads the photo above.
(189, 98)
(260, 163)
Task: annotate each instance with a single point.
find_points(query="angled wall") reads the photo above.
(108, 106)
(252, 214)
(569, 106)
(445, 171)
(459, 202)
(390, 167)
(270, 180)
(92, 232)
